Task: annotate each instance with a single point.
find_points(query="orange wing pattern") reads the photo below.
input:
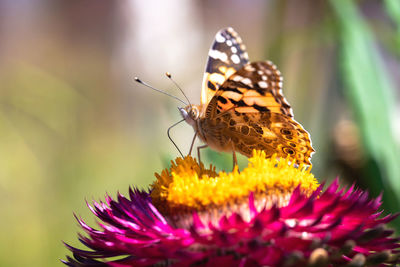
(257, 87)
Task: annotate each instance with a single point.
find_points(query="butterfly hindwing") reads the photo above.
(227, 55)
(268, 131)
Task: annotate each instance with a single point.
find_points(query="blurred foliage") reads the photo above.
(49, 162)
(393, 10)
(73, 126)
(371, 96)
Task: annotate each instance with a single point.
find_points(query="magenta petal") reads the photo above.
(135, 232)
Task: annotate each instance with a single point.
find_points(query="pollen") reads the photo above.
(188, 186)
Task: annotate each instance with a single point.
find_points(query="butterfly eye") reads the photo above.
(194, 112)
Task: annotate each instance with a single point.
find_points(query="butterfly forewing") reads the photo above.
(257, 87)
(227, 55)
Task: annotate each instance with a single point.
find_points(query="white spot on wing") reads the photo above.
(229, 72)
(249, 68)
(262, 84)
(216, 77)
(234, 49)
(237, 78)
(235, 58)
(219, 38)
(215, 54)
(229, 42)
(246, 81)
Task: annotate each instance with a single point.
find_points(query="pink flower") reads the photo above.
(331, 227)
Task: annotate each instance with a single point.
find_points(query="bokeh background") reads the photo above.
(75, 126)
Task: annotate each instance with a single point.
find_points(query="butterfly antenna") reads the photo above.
(180, 89)
(158, 90)
(169, 136)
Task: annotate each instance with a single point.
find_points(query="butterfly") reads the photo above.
(242, 106)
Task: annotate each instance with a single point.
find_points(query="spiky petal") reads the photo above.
(331, 227)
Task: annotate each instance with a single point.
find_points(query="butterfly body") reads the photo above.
(243, 107)
(211, 131)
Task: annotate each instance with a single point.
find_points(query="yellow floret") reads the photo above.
(189, 186)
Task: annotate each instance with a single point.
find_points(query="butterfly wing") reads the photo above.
(227, 55)
(257, 87)
(268, 131)
(251, 104)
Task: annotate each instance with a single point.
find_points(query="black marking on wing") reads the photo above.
(211, 86)
(239, 103)
(260, 108)
(222, 99)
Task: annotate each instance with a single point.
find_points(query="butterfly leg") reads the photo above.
(198, 151)
(191, 146)
(234, 159)
(234, 156)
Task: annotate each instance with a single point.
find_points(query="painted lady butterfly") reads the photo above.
(242, 106)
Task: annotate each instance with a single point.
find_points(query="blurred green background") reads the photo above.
(74, 125)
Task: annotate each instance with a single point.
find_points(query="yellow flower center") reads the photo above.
(188, 186)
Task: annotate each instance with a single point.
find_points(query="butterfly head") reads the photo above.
(190, 113)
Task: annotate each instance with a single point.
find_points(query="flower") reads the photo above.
(272, 213)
